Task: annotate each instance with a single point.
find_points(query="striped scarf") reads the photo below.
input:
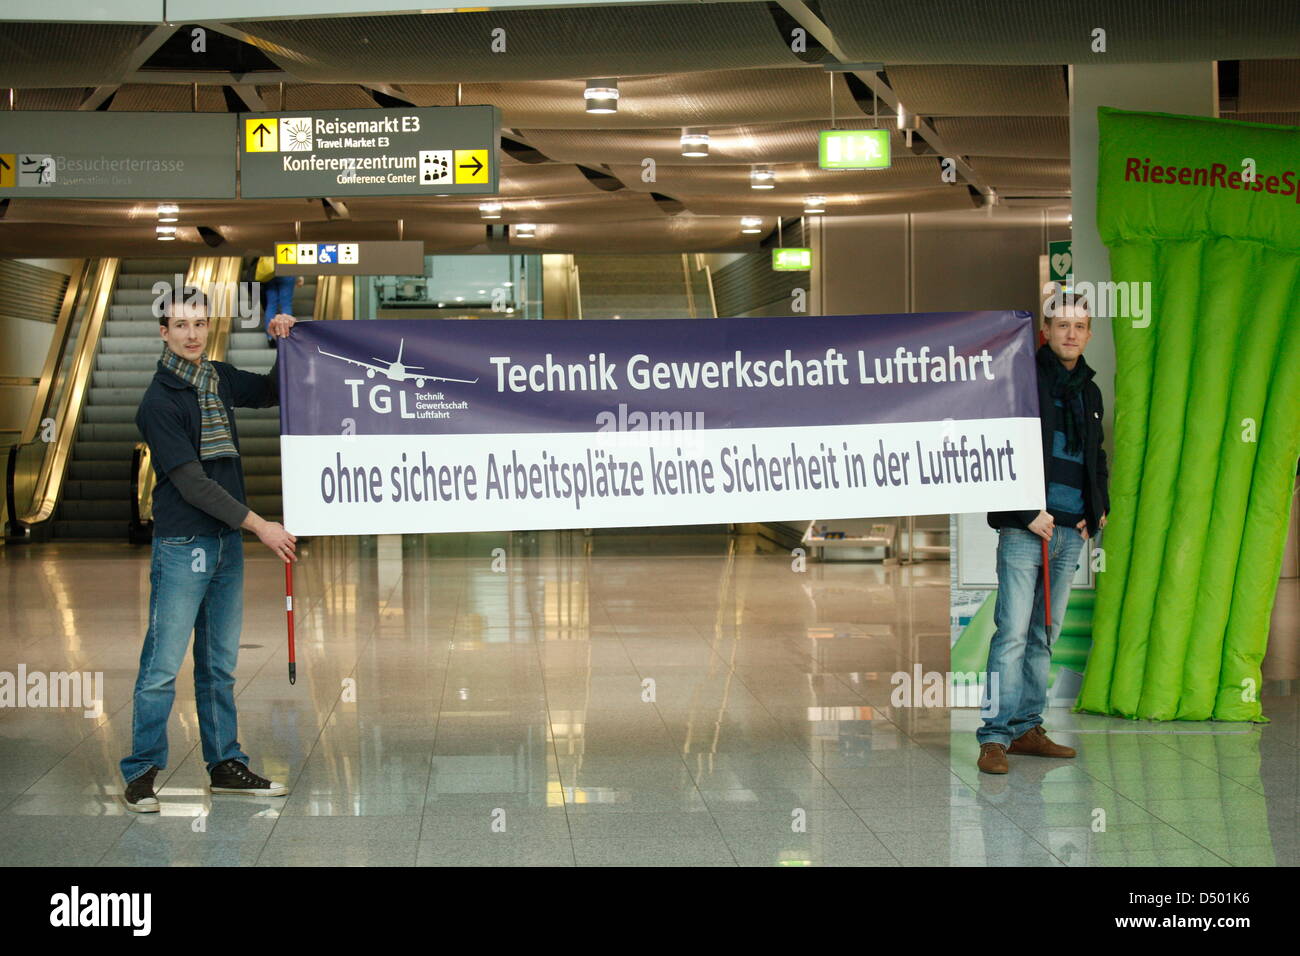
(1067, 385)
(214, 431)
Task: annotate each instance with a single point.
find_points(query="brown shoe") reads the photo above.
(1036, 743)
(993, 758)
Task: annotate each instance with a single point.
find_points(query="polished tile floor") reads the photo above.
(605, 700)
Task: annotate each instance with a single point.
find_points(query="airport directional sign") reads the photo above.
(367, 258)
(400, 151)
(69, 154)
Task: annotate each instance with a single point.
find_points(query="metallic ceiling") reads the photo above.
(992, 84)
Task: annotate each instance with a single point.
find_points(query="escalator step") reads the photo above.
(109, 413)
(102, 450)
(114, 379)
(96, 509)
(126, 329)
(118, 489)
(116, 396)
(108, 432)
(100, 470)
(85, 528)
(137, 361)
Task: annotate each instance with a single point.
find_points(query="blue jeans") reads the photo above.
(197, 584)
(279, 296)
(1021, 649)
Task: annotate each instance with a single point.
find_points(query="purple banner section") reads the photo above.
(431, 376)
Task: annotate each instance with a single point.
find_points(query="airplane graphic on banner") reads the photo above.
(396, 371)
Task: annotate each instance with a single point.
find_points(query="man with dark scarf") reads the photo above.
(197, 565)
(1076, 474)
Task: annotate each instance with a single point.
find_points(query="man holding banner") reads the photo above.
(1075, 472)
(197, 570)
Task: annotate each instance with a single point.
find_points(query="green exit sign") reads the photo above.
(854, 149)
(792, 259)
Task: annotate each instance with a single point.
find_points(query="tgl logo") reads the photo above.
(380, 396)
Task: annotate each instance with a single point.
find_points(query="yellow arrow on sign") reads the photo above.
(261, 136)
(471, 166)
(286, 252)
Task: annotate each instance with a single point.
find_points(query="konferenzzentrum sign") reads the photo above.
(408, 151)
(62, 154)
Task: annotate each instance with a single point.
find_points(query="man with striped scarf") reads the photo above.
(197, 569)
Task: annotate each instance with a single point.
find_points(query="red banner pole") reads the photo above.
(1047, 595)
(288, 608)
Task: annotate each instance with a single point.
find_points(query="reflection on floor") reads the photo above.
(602, 700)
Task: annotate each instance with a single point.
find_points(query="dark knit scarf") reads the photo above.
(1066, 386)
(215, 440)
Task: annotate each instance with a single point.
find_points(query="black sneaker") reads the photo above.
(139, 796)
(234, 777)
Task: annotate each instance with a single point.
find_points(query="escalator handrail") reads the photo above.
(333, 298)
(77, 284)
(211, 273)
(98, 290)
(142, 484)
(577, 287)
(702, 266)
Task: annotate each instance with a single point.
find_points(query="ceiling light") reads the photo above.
(750, 224)
(695, 142)
(482, 291)
(908, 123)
(762, 177)
(814, 204)
(507, 284)
(510, 310)
(526, 230)
(601, 96)
(489, 210)
(166, 233)
(168, 211)
(460, 298)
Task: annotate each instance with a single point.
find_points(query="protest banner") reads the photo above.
(396, 426)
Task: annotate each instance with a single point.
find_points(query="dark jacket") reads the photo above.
(168, 418)
(1096, 494)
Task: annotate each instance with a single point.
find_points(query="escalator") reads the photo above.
(80, 469)
(96, 494)
(645, 287)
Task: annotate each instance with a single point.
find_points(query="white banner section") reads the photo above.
(396, 484)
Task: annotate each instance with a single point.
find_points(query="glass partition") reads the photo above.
(457, 287)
